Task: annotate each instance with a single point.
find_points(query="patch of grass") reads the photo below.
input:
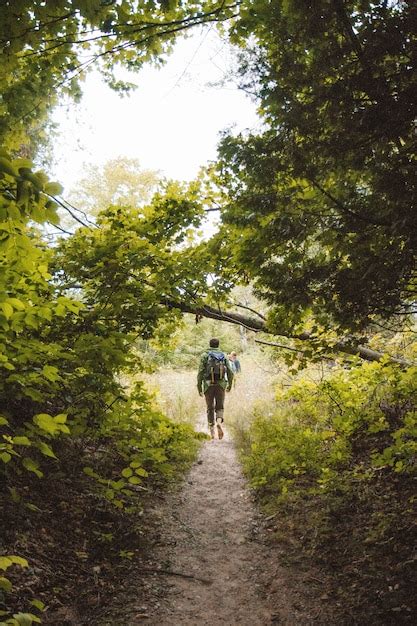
(252, 394)
(176, 395)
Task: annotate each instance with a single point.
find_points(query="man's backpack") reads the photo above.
(215, 367)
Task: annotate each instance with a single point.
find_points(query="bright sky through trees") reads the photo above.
(171, 122)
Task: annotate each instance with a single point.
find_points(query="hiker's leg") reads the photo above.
(219, 396)
(209, 395)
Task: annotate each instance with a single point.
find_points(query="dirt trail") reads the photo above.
(211, 531)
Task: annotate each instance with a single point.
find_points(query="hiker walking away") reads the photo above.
(235, 365)
(215, 377)
(234, 362)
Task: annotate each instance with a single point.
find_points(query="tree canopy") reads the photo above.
(46, 48)
(319, 208)
(118, 181)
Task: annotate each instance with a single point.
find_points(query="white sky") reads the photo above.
(171, 122)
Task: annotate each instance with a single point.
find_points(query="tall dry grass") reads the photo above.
(175, 392)
(252, 393)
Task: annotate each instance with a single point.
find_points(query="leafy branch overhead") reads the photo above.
(47, 48)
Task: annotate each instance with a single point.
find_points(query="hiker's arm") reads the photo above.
(200, 375)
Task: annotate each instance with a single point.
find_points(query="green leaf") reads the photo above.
(51, 425)
(22, 441)
(53, 189)
(7, 309)
(45, 312)
(60, 310)
(90, 472)
(5, 457)
(5, 562)
(50, 372)
(33, 507)
(16, 304)
(19, 561)
(5, 584)
(117, 484)
(22, 163)
(127, 472)
(46, 450)
(46, 422)
(7, 167)
(3, 421)
(38, 604)
(14, 494)
(32, 466)
(133, 480)
(26, 619)
(61, 418)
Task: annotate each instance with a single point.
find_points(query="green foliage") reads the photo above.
(28, 305)
(119, 181)
(69, 317)
(335, 465)
(60, 354)
(317, 211)
(327, 435)
(46, 51)
(318, 207)
(147, 445)
(183, 346)
(126, 266)
(21, 619)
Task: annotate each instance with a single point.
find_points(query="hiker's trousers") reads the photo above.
(215, 402)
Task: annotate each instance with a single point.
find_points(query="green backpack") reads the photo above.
(215, 367)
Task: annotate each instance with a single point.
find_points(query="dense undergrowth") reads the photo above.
(335, 464)
(78, 527)
(77, 448)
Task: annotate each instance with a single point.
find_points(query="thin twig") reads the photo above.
(168, 572)
(248, 308)
(277, 345)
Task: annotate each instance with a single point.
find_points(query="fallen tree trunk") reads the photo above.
(217, 314)
(259, 325)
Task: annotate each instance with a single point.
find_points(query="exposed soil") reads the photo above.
(212, 561)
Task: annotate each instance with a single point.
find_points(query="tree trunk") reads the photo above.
(259, 325)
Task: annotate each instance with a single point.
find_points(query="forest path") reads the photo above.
(211, 531)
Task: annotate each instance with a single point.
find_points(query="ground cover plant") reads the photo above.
(335, 468)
